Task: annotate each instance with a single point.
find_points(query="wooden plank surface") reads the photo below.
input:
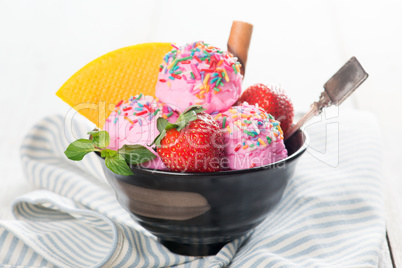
(385, 259)
(393, 216)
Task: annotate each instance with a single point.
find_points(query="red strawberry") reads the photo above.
(273, 101)
(196, 146)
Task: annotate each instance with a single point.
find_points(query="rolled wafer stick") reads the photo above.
(239, 42)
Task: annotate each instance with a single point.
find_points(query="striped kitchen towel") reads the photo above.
(330, 214)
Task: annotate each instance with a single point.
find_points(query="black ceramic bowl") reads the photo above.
(198, 213)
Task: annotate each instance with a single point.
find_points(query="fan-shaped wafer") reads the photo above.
(117, 75)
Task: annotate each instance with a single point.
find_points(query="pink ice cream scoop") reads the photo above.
(133, 121)
(252, 137)
(199, 74)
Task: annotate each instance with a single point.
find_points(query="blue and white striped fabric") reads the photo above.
(330, 214)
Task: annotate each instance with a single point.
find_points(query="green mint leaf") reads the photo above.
(100, 138)
(161, 124)
(136, 154)
(79, 148)
(118, 165)
(108, 152)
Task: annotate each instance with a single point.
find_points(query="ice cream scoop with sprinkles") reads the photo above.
(252, 137)
(133, 121)
(199, 74)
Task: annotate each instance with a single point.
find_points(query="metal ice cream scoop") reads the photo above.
(338, 88)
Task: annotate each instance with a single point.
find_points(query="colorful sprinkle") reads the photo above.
(237, 68)
(172, 64)
(119, 103)
(213, 79)
(234, 68)
(197, 59)
(176, 76)
(219, 81)
(208, 100)
(217, 116)
(195, 71)
(262, 142)
(206, 78)
(184, 59)
(141, 113)
(249, 133)
(128, 119)
(229, 129)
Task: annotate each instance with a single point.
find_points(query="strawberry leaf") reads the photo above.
(136, 154)
(158, 139)
(170, 126)
(190, 114)
(196, 108)
(185, 118)
(161, 124)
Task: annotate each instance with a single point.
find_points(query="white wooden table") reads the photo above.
(298, 44)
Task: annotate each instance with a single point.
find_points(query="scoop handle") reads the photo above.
(307, 116)
(338, 88)
(239, 42)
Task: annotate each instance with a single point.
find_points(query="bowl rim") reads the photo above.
(288, 159)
